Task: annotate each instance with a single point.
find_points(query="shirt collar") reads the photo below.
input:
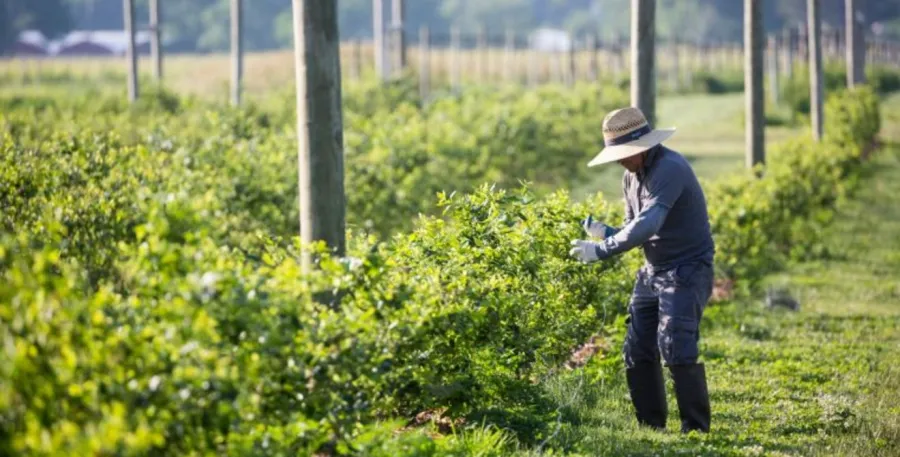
(652, 155)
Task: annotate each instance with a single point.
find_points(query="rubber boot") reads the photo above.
(692, 396)
(648, 394)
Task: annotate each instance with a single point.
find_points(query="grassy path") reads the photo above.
(821, 381)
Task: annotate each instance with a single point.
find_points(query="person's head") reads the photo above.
(635, 162)
(628, 138)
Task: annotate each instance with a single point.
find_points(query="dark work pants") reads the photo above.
(664, 315)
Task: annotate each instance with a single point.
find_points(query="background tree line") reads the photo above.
(202, 25)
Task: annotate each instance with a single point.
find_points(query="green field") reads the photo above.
(822, 381)
(151, 300)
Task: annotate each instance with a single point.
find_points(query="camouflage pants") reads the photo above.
(664, 314)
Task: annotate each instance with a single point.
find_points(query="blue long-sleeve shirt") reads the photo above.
(635, 233)
(665, 213)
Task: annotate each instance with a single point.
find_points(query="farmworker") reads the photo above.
(665, 214)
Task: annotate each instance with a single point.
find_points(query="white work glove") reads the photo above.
(594, 228)
(584, 250)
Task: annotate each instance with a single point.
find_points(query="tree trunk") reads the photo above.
(319, 125)
(753, 83)
(643, 58)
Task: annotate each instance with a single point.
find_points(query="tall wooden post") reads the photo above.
(856, 46)
(509, 49)
(156, 52)
(773, 69)
(481, 53)
(320, 142)
(593, 62)
(675, 65)
(571, 70)
(424, 62)
(816, 81)
(356, 68)
(643, 58)
(788, 44)
(803, 41)
(533, 79)
(399, 37)
(753, 83)
(130, 51)
(455, 44)
(378, 42)
(237, 50)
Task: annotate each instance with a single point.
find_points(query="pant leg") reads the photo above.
(643, 319)
(683, 293)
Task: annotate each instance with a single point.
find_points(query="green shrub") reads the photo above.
(720, 82)
(152, 301)
(795, 89)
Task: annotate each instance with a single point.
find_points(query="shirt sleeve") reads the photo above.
(635, 233)
(664, 188)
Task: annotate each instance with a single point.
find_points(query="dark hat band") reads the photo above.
(630, 136)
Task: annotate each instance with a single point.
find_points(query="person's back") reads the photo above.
(685, 234)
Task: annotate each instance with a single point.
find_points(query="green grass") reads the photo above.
(821, 381)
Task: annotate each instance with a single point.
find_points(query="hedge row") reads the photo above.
(188, 344)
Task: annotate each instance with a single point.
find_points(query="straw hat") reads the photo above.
(626, 132)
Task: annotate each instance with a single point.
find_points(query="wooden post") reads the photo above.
(803, 42)
(855, 47)
(692, 63)
(399, 37)
(675, 67)
(532, 63)
(509, 49)
(156, 52)
(130, 52)
(237, 51)
(816, 81)
(424, 62)
(378, 43)
(320, 142)
(643, 58)
(481, 53)
(773, 69)
(455, 56)
(788, 44)
(593, 62)
(356, 69)
(571, 71)
(753, 82)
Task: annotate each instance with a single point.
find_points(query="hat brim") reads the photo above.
(622, 151)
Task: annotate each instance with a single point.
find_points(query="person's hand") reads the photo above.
(595, 229)
(584, 250)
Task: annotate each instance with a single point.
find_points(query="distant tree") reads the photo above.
(50, 17)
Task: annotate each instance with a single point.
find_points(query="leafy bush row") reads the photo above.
(399, 152)
(191, 342)
(795, 88)
(758, 223)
